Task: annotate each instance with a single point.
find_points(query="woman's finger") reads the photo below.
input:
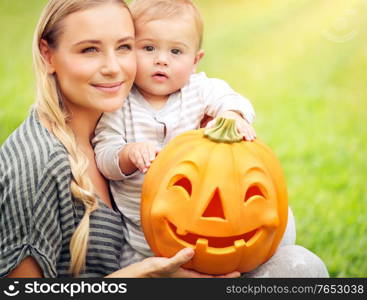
(184, 273)
(234, 274)
(171, 267)
(181, 257)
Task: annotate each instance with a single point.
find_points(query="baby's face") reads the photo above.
(167, 54)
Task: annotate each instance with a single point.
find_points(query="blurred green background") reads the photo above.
(303, 64)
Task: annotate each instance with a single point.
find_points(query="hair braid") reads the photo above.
(50, 106)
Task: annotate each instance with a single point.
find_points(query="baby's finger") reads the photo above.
(253, 132)
(139, 162)
(249, 137)
(245, 132)
(248, 131)
(152, 152)
(146, 156)
(241, 128)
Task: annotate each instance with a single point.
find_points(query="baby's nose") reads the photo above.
(161, 59)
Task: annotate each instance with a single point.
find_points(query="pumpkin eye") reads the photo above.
(185, 183)
(253, 190)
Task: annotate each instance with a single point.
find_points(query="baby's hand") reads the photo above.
(142, 154)
(243, 127)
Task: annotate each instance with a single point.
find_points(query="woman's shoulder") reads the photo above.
(33, 142)
(29, 153)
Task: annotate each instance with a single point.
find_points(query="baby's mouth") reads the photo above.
(160, 75)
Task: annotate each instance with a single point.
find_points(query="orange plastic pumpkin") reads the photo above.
(212, 191)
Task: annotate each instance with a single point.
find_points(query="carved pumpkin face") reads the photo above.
(228, 201)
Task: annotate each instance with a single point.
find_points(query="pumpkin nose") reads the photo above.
(215, 207)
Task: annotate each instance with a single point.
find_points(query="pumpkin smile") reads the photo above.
(215, 242)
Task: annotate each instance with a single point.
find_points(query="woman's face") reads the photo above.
(94, 60)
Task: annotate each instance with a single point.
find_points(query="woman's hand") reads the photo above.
(162, 267)
(171, 267)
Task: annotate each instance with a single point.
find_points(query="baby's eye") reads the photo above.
(90, 50)
(149, 48)
(176, 51)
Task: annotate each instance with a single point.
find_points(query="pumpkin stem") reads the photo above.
(223, 131)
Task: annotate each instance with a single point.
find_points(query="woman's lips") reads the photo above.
(110, 88)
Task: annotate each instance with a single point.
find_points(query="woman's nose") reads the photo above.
(111, 65)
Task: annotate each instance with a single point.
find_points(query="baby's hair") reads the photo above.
(149, 10)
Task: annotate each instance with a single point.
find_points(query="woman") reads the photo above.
(56, 214)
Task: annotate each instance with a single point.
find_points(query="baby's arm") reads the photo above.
(115, 157)
(220, 100)
(109, 141)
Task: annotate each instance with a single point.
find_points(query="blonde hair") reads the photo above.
(49, 104)
(149, 10)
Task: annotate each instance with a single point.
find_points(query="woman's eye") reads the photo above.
(148, 48)
(176, 51)
(90, 50)
(125, 47)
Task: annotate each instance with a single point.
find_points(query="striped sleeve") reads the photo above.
(108, 141)
(218, 97)
(29, 218)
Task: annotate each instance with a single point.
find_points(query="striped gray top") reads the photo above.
(38, 214)
(138, 121)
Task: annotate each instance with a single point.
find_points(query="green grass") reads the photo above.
(308, 91)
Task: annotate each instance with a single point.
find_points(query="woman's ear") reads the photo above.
(199, 55)
(47, 55)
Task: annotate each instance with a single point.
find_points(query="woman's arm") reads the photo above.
(155, 267)
(28, 268)
(148, 268)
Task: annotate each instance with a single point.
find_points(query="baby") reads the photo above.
(168, 98)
